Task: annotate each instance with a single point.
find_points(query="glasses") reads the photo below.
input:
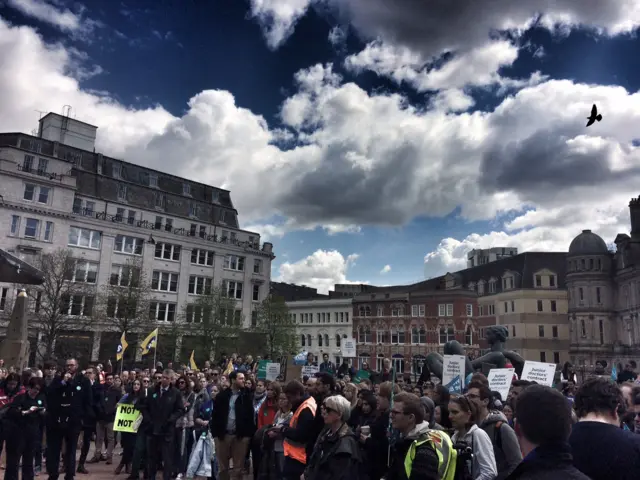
(181, 382)
(146, 380)
(473, 395)
(158, 377)
(328, 409)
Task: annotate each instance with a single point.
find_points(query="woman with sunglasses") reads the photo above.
(336, 454)
(473, 441)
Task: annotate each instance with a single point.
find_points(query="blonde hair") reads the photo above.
(350, 387)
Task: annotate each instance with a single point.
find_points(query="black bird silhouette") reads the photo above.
(594, 116)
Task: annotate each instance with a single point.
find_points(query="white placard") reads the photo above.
(348, 348)
(541, 373)
(500, 380)
(453, 366)
(273, 370)
(309, 371)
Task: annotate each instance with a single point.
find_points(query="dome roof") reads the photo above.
(588, 243)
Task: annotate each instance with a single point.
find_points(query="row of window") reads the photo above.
(321, 317)
(396, 335)
(32, 228)
(444, 310)
(585, 264)
(508, 283)
(323, 340)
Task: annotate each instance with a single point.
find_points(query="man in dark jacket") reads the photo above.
(69, 399)
(543, 424)
(161, 409)
(90, 419)
(232, 426)
(106, 406)
(327, 365)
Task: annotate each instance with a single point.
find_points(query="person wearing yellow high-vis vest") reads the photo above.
(299, 434)
(420, 453)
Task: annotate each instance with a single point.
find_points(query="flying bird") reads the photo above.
(594, 116)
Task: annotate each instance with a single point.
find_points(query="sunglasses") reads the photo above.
(328, 409)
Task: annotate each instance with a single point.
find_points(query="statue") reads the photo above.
(496, 335)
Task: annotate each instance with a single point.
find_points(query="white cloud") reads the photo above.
(385, 269)
(278, 17)
(338, 36)
(55, 15)
(321, 270)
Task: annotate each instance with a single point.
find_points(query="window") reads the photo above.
(449, 309)
(122, 191)
(254, 318)
(15, 224)
(554, 331)
(42, 165)
(29, 192)
(232, 262)
(553, 306)
(124, 275)
(160, 200)
(541, 331)
(395, 312)
(418, 335)
(153, 180)
(540, 305)
(414, 312)
(162, 311)
(421, 310)
(233, 318)
(168, 224)
(117, 170)
(601, 331)
(552, 283)
(83, 272)
(507, 283)
(468, 335)
(158, 223)
(583, 328)
(27, 163)
(447, 334)
(167, 251)
(122, 307)
(233, 289)
(513, 306)
(129, 245)
(364, 335)
(202, 257)
(380, 311)
(203, 231)
(257, 265)
(364, 311)
(442, 310)
(556, 358)
(581, 293)
(469, 310)
(397, 335)
(194, 313)
(543, 356)
(193, 229)
(31, 228)
(82, 237)
(303, 340)
(77, 305)
(3, 298)
(256, 293)
(309, 344)
(164, 281)
(200, 285)
(186, 189)
(506, 307)
(193, 209)
(538, 280)
(598, 298)
(319, 340)
(513, 331)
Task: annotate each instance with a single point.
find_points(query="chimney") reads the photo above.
(634, 213)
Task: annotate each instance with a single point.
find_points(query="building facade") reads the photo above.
(56, 192)
(322, 325)
(406, 326)
(481, 256)
(604, 297)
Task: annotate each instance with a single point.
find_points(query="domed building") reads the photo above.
(604, 296)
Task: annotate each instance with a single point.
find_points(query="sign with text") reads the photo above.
(500, 381)
(272, 371)
(455, 386)
(262, 369)
(348, 348)
(541, 373)
(128, 419)
(452, 367)
(309, 371)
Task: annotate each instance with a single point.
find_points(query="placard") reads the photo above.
(348, 348)
(309, 371)
(453, 366)
(500, 381)
(272, 371)
(541, 373)
(128, 418)
(261, 374)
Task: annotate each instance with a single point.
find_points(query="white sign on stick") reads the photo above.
(453, 366)
(309, 371)
(500, 380)
(541, 373)
(348, 348)
(273, 370)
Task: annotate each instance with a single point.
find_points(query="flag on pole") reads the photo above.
(150, 342)
(192, 361)
(122, 347)
(229, 368)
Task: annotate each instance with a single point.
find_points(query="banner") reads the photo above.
(361, 375)
(500, 381)
(128, 419)
(453, 366)
(309, 371)
(455, 385)
(262, 370)
(348, 348)
(541, 373)
(272, 371)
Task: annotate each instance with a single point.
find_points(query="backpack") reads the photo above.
(497, 436)
(464, 460)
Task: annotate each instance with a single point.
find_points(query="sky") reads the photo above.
(370, 141)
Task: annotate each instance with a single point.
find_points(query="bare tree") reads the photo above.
(213, 318)
(123, 303)
(65, 301)
(279, 329)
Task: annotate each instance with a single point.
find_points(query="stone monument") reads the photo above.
(14, 349)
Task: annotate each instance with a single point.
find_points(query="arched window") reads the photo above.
(367, 335)
(337, 340)
(326, 339)
(303, 340)
(382, 335)
(468, 336)
(397, 362)
(319, 339)
(361, 335)
(365, 311)
(309, 344)
(380, 362)
(447, 333)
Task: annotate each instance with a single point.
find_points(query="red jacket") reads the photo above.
(267, 413)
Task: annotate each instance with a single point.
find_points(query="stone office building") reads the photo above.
(56, 191)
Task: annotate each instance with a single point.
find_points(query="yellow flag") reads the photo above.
(192, 361)
(122, 347)
(150, 342)
(229, 368)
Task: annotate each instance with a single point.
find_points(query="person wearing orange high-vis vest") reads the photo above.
(299, 434)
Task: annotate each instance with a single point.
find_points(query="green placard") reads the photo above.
(262, 369)
(361, 375)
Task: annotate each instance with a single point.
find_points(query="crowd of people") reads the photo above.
(224, 422)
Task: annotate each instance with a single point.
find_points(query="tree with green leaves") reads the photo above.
(213, 318)
(275, 322)
(65, 301)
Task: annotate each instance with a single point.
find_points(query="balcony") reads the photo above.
(41, 173)
(154, 226)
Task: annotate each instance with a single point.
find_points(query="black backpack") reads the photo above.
(464, 460)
